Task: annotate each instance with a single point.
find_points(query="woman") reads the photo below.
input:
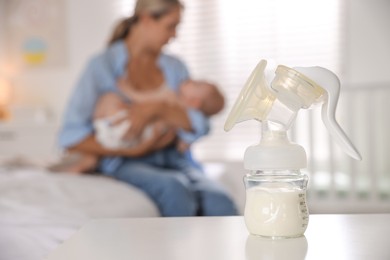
(135, 53)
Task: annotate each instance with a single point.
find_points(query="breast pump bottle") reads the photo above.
(275, 187)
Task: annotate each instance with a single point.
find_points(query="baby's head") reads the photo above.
(203, 96)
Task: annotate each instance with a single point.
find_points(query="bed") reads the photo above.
(40, 209)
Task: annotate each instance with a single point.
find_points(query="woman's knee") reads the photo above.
(217, 203)
(176, 198)
(170, 190)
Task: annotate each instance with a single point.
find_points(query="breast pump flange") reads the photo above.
(275, 188)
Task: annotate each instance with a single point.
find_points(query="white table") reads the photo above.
(327, 237)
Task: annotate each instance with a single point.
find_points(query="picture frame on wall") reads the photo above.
(36, 32)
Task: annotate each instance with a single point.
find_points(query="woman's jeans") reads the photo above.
(177, 192)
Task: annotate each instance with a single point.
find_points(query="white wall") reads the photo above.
(367, 49)
(89, 23)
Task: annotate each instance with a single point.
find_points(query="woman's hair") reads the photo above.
(156, 8)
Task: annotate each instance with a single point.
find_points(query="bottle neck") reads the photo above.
(275, 151)
(273, 133)
(280, 116)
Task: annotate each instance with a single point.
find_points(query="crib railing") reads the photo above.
(339, 183)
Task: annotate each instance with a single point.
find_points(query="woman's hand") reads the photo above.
(139, 115)
(160, 138)
(143, 113)
(166, 134)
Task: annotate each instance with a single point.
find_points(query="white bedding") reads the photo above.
(39, 210)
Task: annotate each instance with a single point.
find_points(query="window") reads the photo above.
(223, 40)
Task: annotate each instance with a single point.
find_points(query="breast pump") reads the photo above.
(275, 187)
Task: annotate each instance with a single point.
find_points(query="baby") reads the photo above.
(111, 110)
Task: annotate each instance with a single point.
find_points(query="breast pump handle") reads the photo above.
(327, 80)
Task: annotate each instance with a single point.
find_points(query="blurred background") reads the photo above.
(45, 44)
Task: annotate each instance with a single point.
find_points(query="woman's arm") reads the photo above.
(141, 114)
(157, 141)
